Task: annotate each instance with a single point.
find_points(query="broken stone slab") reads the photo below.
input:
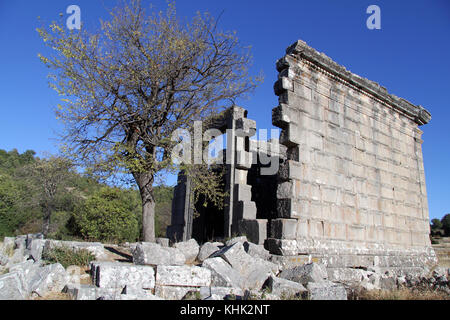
(206, 250)
(282, 287)
(12, 287)
(326, 290)
(36, 249)
(8, 245)
(28, 269)
(31, 237)
(234, 240)
(119, 275)
(305, 274)
(148, 253)
(189, 276)
(96, 248)
(256, 251)
(50, 278)
(222, 274)
(388, 282)
(254, 271)
(173, 292)
(189, 248)
(91, 292)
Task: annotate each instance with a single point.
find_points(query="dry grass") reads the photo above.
(55, 296)
(401, 294)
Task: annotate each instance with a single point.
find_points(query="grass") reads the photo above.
(68, 256)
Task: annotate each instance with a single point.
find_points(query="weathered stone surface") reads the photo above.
(3, 260)
(206, 250)
(164, 242)
(138, 294)
(36, 248)
(234, 240)
(256, 251)
(189, 248)
(254, 271)
(50, 278)
(307, 273)
(173, 292)
(347, 275)
(326, 290)
(148, 253)
(28, 269)
(222, 274)
(119, 275)
(12, 287)
(388, 282)
(283, 287)
(190, 276)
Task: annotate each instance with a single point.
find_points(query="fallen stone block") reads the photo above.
(256, 251)
(81, 291)
(50, 278)
(31, 237)
(307, 273)
(387, 283)
(206, 250)
(28, 269)
(189, 248)
(190, 276)
(148, 253)
(254, 271)
(172, 292)
(12, 287)
(222, 274)
(36, 249)
(284, 288)
(234, 240)
(326, 290)
(3, 260)
(119, 275)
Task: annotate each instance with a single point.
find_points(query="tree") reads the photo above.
(48, 177)
(107, 215)
(446, 224)
(128, 87)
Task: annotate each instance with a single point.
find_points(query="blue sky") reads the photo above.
(409, 56)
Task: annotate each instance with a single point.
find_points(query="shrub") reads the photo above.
(108, 215)
(68, 256)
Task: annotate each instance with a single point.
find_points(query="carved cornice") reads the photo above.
(301, 50)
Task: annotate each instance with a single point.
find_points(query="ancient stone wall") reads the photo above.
(352, 191)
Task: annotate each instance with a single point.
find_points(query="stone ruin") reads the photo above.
(350, 188)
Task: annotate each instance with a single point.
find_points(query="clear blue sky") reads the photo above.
(409, 56)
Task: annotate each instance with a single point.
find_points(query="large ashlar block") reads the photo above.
(283, 228)
(245, 210)
(243, 192)
(255, 230)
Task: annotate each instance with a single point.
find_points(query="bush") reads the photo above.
(68, 256)
(108, 215)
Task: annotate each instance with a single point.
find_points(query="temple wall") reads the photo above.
(354, 181)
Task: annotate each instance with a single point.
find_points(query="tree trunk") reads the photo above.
(46, 222)
(145, 184)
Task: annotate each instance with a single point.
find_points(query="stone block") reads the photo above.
(326, 290)
(148, 253)
(283, 228)
(304, 274)
(255, 230)
(257, 251)
(244, 210)
(163, 242)
(283, 287)
(222, 274)
(173, 292)
(189, 248)
(206, 250)
(50, 278)
(120, 275)
(191, 276)
(12, 287)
